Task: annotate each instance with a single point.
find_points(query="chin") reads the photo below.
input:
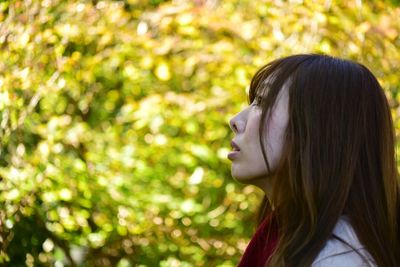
(247, 178)
(241, 180)
(239, 177)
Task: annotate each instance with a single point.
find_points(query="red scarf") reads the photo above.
(260, 248)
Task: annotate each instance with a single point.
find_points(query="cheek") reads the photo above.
(275, 140)
(274, 131)
(253, 125)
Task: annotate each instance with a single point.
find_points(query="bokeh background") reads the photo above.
(114, 120)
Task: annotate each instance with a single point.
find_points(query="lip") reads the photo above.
(233, 155)
(235, 146)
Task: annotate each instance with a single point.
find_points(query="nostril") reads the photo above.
(235, 126)
(235, 129)
(232, 125)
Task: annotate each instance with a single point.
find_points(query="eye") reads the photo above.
(257, 100)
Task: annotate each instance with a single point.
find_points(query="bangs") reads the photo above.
(258, 84)
(267, 83)
(269, 79)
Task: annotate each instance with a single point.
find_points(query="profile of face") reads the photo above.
(248, 165)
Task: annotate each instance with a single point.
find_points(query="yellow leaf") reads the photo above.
(162, 72)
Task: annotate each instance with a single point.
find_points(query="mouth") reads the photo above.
(233, 154)
(234, 146)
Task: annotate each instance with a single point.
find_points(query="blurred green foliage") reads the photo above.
(114, 120)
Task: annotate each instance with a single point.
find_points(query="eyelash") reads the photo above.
(257, 100)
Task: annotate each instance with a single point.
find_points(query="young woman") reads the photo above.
(318, 139)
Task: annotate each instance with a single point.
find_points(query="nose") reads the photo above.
(232, 124)
(236, 125)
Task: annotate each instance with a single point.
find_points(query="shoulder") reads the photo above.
(336, 253)
(347, 258)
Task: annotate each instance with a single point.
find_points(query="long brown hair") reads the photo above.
(338, 158)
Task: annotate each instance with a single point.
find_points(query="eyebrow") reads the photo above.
(266, 87)
(267, 84)
(264, 90)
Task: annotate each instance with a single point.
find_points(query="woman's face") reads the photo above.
(248, 163)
